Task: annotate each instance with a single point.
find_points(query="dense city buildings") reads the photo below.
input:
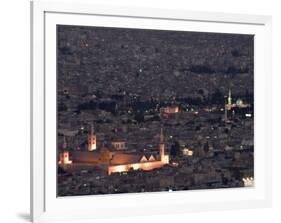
(153, 110)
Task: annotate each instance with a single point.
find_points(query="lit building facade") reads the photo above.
(229, 105)
(92, 140)
(64, 156)
(115, 159)
(187, 152)
(169, 110)
(119, 144)
(248, 181)
(144, 163)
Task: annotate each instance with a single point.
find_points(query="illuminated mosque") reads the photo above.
(114, 159)
(229, 105)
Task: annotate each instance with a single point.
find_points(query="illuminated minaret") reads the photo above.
(92, 140)
(228, 105)
(229, 98)
(64, 156)
(162, 146)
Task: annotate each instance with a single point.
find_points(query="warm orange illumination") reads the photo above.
(169, 110)
(151, 158)
(119, 145)
(143, 159)
(144, 163)
(92, 141)
(64, 158)
(92, 147)
(165, 159)
(135, 166)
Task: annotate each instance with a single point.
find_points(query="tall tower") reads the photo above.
(162, 146)
(229, 100)
(64, 156)
(92, 140)
(228, 105)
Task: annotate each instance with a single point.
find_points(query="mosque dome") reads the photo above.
(239, 102)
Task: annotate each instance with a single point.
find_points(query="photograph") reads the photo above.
(148, 110)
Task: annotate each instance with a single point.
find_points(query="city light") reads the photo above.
(187, 152)
(151, 110)
(248, 181)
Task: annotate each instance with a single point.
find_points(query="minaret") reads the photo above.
(92, 140)
(228, 105)
(229, 98)
(64, 156)
(162, 146)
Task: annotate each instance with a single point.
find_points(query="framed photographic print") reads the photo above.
(147, 111)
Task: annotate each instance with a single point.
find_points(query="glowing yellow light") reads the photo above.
(187, 152)
(64, 158)
(248, 181)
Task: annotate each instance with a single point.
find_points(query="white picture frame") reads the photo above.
(44, 203)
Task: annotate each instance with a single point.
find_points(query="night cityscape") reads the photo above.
(153, 110)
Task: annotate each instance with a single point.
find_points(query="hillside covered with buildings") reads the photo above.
(153, 110)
